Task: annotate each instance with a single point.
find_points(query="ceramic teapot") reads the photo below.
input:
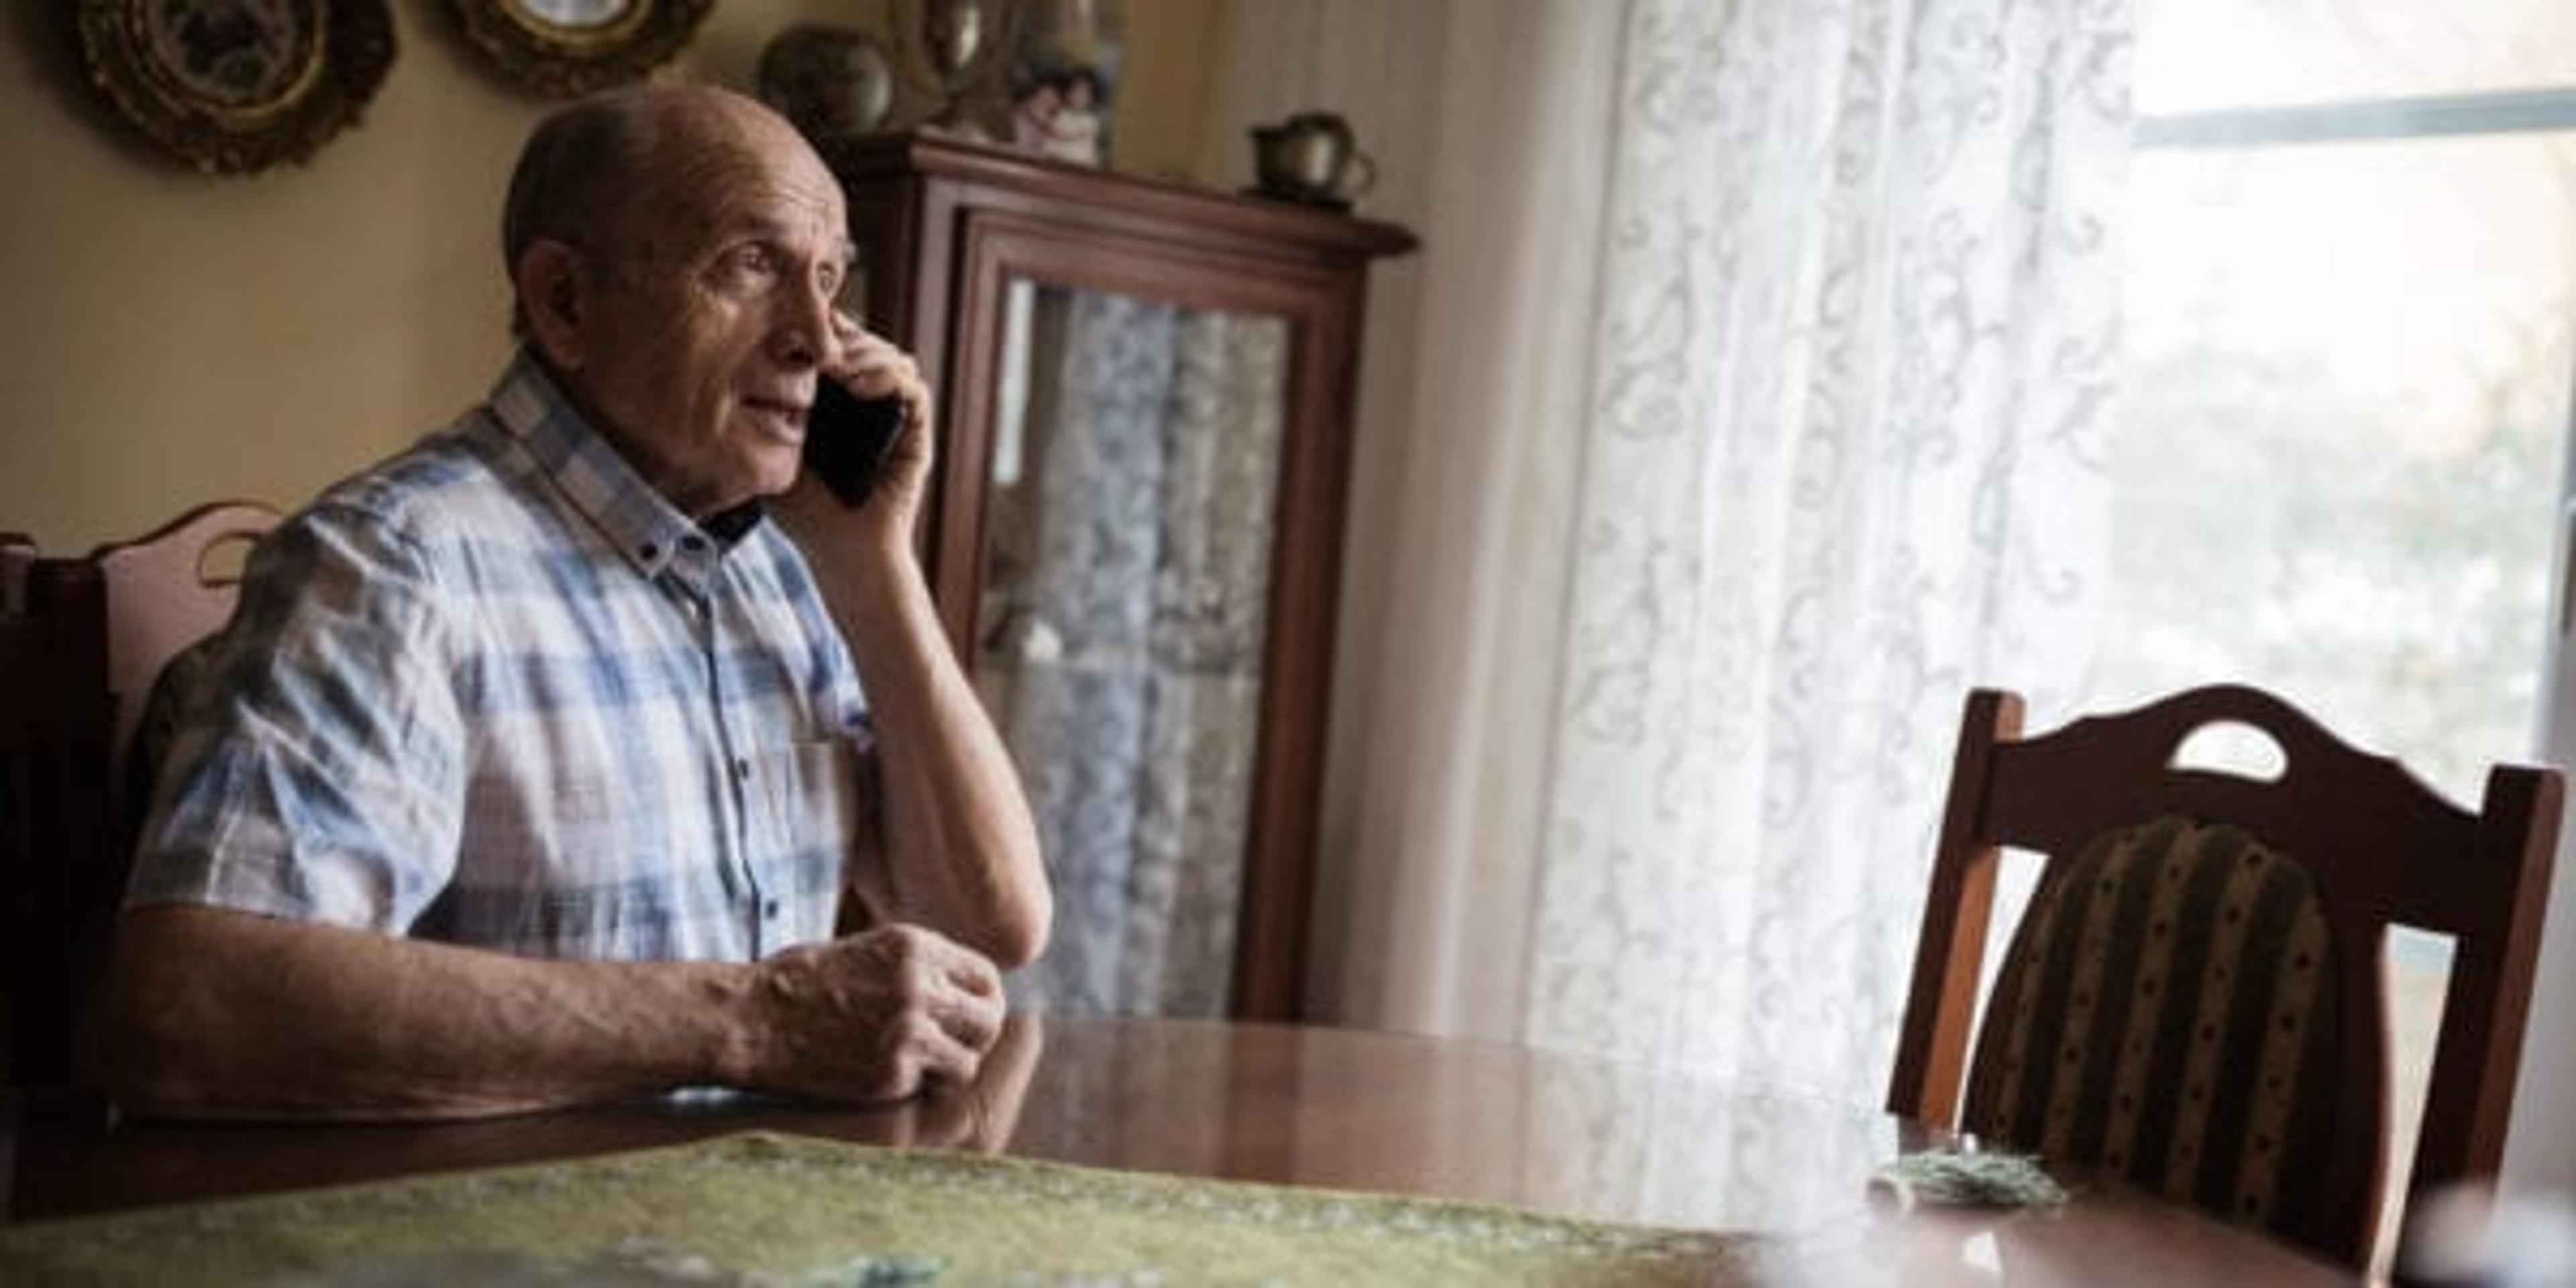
(1311, 157)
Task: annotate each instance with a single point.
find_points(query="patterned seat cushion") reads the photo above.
(2167, 1013)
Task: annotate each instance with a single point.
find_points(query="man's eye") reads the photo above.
(749, 262)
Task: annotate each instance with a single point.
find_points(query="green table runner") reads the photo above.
(775, 1209)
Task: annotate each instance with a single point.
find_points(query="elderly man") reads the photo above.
(536, 764)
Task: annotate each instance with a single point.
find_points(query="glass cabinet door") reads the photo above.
(1133, 535)
(1120, 624)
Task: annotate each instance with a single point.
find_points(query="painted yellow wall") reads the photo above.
(1166, 98)
(168, 337)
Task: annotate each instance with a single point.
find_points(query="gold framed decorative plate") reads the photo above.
(569, 47)
(236, 86)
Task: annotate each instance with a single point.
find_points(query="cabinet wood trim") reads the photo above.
(944, 227)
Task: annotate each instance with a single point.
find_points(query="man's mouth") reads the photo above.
(783, 417)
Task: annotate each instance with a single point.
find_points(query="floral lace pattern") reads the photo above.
(1844, 460)
(1125, 609)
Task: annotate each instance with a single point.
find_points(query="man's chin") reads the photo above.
(775, 477)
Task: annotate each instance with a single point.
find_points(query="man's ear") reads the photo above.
(549, 280)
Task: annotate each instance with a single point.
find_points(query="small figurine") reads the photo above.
(1059, 115)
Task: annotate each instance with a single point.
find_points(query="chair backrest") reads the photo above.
(162, 597)
(81, 642)
(17, 552)
(2193, 999)
(23, 729)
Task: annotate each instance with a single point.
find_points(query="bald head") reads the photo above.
(678, 257)
(617, 173)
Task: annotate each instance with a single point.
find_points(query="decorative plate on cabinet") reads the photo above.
(571, 47)
(236, 86)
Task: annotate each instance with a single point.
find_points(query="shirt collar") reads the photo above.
(637, 519)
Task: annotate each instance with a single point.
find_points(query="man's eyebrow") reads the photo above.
(762, 228)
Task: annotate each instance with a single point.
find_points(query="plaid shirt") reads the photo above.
(497, 691)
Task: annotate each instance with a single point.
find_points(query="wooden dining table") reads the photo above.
(1382, 1113)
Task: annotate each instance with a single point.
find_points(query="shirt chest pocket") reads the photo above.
(807, 792)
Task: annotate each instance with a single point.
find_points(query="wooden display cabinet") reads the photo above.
(1134, 534)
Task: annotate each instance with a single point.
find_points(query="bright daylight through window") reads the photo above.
(2348, 309)
(2348, 306)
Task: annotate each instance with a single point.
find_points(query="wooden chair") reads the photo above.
(17, 554)
(81, 642)
(23, 723)
(2193, 1000)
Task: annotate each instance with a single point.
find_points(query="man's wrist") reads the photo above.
(731, 1055)
(878, 561)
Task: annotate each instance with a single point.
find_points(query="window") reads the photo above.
(2349, 281)
(2347, 365)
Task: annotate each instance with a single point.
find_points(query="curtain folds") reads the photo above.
(1746, 407)
(1484, 120)
(1843, 462)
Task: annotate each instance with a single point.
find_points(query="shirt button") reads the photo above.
(693, 542)
(769, 910)
(647, 551)
(742, 769)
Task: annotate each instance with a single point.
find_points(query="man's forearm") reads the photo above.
(218, 1013)
(961, 851)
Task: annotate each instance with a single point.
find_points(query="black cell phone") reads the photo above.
(848, 438)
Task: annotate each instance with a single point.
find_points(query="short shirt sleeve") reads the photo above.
(317, 773)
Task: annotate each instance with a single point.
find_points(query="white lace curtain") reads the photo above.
(1843, 462)
(1753, 387)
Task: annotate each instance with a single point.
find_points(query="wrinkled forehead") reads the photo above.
(719, 176)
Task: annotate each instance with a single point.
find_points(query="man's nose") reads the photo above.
(805, 332)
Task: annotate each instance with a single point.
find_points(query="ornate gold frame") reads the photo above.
(565, 61)
(339, 51)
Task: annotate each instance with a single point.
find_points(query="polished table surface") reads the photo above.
(1306, 1106)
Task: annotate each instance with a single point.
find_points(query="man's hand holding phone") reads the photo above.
(867, 446)
(848, 439)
